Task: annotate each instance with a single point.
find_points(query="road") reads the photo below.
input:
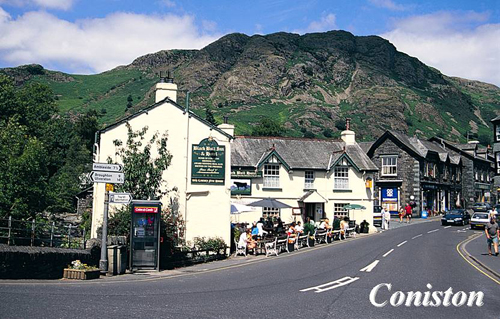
(288, 286)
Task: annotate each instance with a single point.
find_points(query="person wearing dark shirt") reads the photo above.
(492, 231)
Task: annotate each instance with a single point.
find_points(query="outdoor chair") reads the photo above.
(300, 241)
(272, 247)
(281, 244)
(239, 250)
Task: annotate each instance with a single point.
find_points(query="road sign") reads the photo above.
(107, 177)
(120, 198)
(104, 167)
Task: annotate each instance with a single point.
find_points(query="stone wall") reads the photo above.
(26, 262)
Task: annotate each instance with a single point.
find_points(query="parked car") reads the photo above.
(479, 220)
(456, 217)
(377, 216)
(481, 207)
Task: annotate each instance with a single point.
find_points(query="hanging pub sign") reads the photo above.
(208, 163)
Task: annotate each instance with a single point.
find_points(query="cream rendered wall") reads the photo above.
(292, 188)
(208, 206)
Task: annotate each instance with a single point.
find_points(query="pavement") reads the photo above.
(326, 281)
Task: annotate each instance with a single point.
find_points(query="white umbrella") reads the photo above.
(239, 208)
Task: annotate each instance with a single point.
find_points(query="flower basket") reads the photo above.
(81, 274)
(310, 240)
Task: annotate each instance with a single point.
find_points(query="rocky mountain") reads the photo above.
(308, 83)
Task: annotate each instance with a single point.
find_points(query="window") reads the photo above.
(459, 174)
(341, 178)
(339, 210)
(476, 175)
(498, 160)
(270, 212)
(309, 180)
(271, 175)
(445, 172)
(497, 133)
(389, 166)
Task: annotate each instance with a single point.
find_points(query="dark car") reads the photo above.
(481, 207)
(377, 216)
(456, 217)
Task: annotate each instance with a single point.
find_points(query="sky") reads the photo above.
(458, 37)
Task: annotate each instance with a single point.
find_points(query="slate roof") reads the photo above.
(496, 119)
(298, 153)
(365, 146)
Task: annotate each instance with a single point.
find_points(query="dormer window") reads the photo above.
(497, 132)
(271, 175)
(341, 177)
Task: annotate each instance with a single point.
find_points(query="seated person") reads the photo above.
(260, 228)
(243, 241)
(255, 230)
(291, 230)
(299, 229)
(309, 227)
(251, 243)
(344, 225)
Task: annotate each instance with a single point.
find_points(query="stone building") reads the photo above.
(478, 170)
(414, 170)
(496, 156)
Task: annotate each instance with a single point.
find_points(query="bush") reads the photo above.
(211, 243)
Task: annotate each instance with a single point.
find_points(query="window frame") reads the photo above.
(274, 212)
(309, 181)
(389, 165)
(339, 211)
(341, 182)
(271, 180)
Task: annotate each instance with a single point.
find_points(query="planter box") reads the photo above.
(311, 241)
(81, 274)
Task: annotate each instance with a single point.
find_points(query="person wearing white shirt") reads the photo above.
(387, 218)
(299, 228)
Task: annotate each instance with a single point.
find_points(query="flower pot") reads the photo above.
(81, 274)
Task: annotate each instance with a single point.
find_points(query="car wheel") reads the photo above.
(443, 224)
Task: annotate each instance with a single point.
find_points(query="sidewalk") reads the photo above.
(478, 250)
(394, 222)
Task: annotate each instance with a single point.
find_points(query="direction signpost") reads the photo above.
(109, 174)
(120, 198)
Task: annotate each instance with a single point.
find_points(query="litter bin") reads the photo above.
(117, 260)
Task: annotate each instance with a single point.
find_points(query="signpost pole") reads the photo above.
(103, 263)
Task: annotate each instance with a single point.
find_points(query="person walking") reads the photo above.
(492, 231)
(408, 212)
(387, 218)
(382, 215)
(401, 214)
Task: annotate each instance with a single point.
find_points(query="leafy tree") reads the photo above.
(268, 127)
(144, 174)
(209, 116)
(340, 125)
(327, 133)
(309, 134)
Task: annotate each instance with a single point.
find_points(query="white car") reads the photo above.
(479, 220)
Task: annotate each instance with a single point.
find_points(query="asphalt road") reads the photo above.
(303, 284)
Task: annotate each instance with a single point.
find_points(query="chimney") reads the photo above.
(226, 127)
(348, 136)
(165, 88)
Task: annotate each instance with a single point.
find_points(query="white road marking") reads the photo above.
(387, 253)
(401, 244)
(332, 284)
(416, 236)
(370, 267)
(461, 231)
(447, 227)
(431, 231)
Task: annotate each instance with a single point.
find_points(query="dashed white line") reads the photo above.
(431, 231)
(447, 227)
(332, 284)
(416, 236)
(387, 253)
(401, 244)
(370, 267)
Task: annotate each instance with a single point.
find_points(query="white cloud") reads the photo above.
(326, 23)
(94, 45)
(48, 4)
(389, 4)
(167, 3)
(458, 44)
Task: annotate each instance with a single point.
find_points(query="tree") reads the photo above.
(268, 127)
(340, 125)
(129, 101)
(209, 116)
(144, 174)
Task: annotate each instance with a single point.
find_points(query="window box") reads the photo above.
(81, 274)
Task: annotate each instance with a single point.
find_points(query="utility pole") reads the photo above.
(103, 262)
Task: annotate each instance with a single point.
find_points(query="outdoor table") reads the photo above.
(261, 244)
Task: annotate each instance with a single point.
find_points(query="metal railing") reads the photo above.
(41, 233)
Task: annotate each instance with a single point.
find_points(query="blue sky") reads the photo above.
(460, 38)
